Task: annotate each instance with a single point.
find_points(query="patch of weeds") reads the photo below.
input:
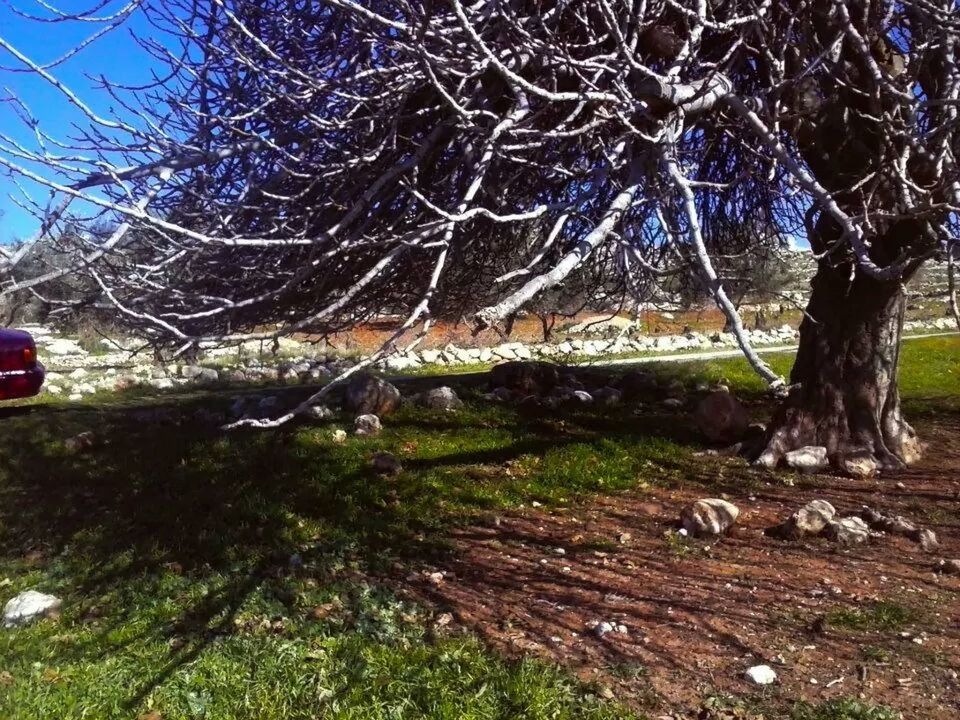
(598, 544)
(679, 545)
(628, 670)
(879, 616)
(722, 706)
(875, 654)
(844, 709)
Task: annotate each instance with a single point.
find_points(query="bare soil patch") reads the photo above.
(874, 621)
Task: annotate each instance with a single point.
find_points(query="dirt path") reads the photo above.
(696, 615)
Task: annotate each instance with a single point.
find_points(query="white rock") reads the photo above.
(711, 516)
(762, 675)
(27, 607)
(441, 398)
(848, 531)
(62, 346)
(811, 519)
(54, 389)
(78, 374)
(811, 459)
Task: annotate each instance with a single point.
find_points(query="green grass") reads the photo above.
(881, 616)
(170, 544)
(846, 709)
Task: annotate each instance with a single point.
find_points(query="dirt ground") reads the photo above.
(529, 329)
(697, 614)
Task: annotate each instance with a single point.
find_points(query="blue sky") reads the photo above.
(115, 55)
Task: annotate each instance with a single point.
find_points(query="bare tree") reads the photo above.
(314, 163)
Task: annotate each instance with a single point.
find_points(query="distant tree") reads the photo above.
(315, 164)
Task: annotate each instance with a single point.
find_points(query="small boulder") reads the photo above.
(809, 459)
(761, 675)
(722, 418)
(316, 413)
(527, 377)
(28, 606)
(676, 389)
(673, 403)
(500, 394)
(339, 436)
(848, 531)
(367, 424)
(809, 520)
(859, 465)
(607, 396)
(384, 463)
(80, 443)
(949, 567)
(441, 398)
(928, 540)
(711, 516)
(370, 395)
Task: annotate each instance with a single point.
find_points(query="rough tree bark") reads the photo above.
(844, 391)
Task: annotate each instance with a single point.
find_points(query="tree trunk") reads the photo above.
(844, 393)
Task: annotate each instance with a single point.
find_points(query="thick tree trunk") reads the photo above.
(844, 394)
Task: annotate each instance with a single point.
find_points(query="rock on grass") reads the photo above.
(28, 606)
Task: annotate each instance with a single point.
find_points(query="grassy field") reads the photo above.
(212, 575)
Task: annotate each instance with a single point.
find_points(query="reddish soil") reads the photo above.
(369, 337)
(697, 619)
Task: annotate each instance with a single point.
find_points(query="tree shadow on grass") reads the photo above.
(162, 490)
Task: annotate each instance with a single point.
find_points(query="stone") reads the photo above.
(601, 627)
(848, 531)
(78, 374)
(500, 394)
(949, 567)
(809, 520)
(530, 377)
(54, 389)
(761, 675)
(370, 395)
(722, 418)
(859, 465)
(582, 396)
(63, 346)
(81, 442)
(339, 436)
(809, 459)
(384, 463)
(607, 396)
(441, 398)
(676, 389)
(316, 413)
(28, 606)
(928, 540)
(367, 424)
(711, 516)
(200, 375)
(673, 403)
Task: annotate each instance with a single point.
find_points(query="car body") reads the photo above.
(21, 374)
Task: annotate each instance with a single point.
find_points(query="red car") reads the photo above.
(20, 373)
